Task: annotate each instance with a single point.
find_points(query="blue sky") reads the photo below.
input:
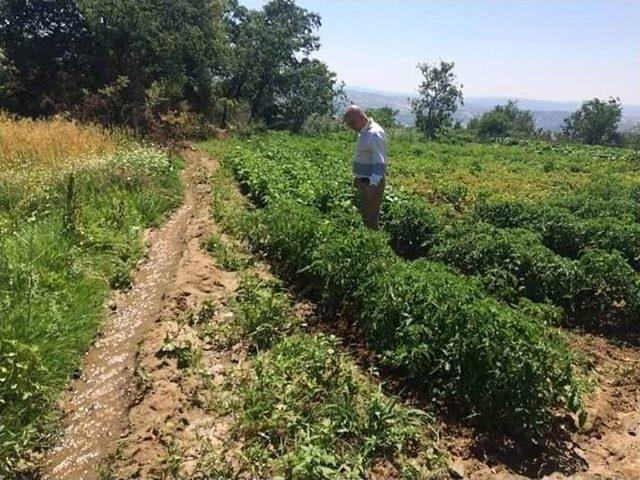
(544, 49)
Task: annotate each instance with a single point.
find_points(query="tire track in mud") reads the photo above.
(172, 412)
(97, 403)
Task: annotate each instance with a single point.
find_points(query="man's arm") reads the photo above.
(379, 159)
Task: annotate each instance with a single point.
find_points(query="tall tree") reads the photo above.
(309, 88)
(385, 116)
(166, 50)
(596, 122)
(439, 98)
(47, 43)
(268, 60)
(504, 121)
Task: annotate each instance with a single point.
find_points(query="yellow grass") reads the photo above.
(34, 153)
(49, 144)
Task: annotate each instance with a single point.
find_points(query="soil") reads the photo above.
(607, 447)
(175, 275)
(135, 408)
(174, 415)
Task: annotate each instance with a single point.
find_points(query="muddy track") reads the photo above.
(173, 423)
(97, 403)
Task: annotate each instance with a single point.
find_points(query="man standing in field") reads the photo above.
(369, 164)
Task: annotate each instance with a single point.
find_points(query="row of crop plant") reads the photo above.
(452, 340)
(513, 263)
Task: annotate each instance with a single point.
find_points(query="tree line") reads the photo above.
(595, 122)
(163, 66)
(174, 68)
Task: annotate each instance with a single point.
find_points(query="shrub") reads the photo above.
(457, 344)
(411, 224)
(309, 414)
(262, 312)
(611, 288)
(511, 263)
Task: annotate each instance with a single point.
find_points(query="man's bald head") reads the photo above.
(355, 118)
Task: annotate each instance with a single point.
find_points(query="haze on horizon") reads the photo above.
(569, 50)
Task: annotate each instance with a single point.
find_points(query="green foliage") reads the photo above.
(122, 61)
(226, 257)
(566, 232)
(308, 89)
(412, 302)
(384, 116)
(504, 121)
(168, 71)
(348, 267)
(411, 223)
(511, 263)
(53, 285)
(457, 344)
(439, 98)
(267, 66)
(596, 122)
(263, 312)
(309, 414)
(319, 125)
(46, 43)
(631, 139)
(612, 288)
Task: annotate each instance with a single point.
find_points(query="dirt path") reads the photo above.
(175, 423)
(97, 403)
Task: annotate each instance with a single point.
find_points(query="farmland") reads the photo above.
(469, 293)
(573, 247)
(474, 307)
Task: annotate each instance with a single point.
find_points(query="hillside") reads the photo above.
(547, 114)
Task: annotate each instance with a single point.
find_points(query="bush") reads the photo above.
(511, 263)
(262, 312)
(309, 414)
(456, 343)
(611, 287)
(411, 223)
(318, 125)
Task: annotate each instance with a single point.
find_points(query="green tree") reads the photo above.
(268, 60)
(596, 122)
(153, 64)
(632, 138)
(439, 98)
(166, 51)
(47, 44)
(385, 116)
(116, 61)
(504, 121)
(7, 83)
(309, 88)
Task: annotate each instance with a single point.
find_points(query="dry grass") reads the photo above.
(49, 145)
(33, 153)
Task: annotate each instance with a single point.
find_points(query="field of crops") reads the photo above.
(574, 251)
(464, 288)
(73, 201)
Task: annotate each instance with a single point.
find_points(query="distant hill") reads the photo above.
(546, 114)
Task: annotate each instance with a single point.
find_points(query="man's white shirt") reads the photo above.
(370, 157)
